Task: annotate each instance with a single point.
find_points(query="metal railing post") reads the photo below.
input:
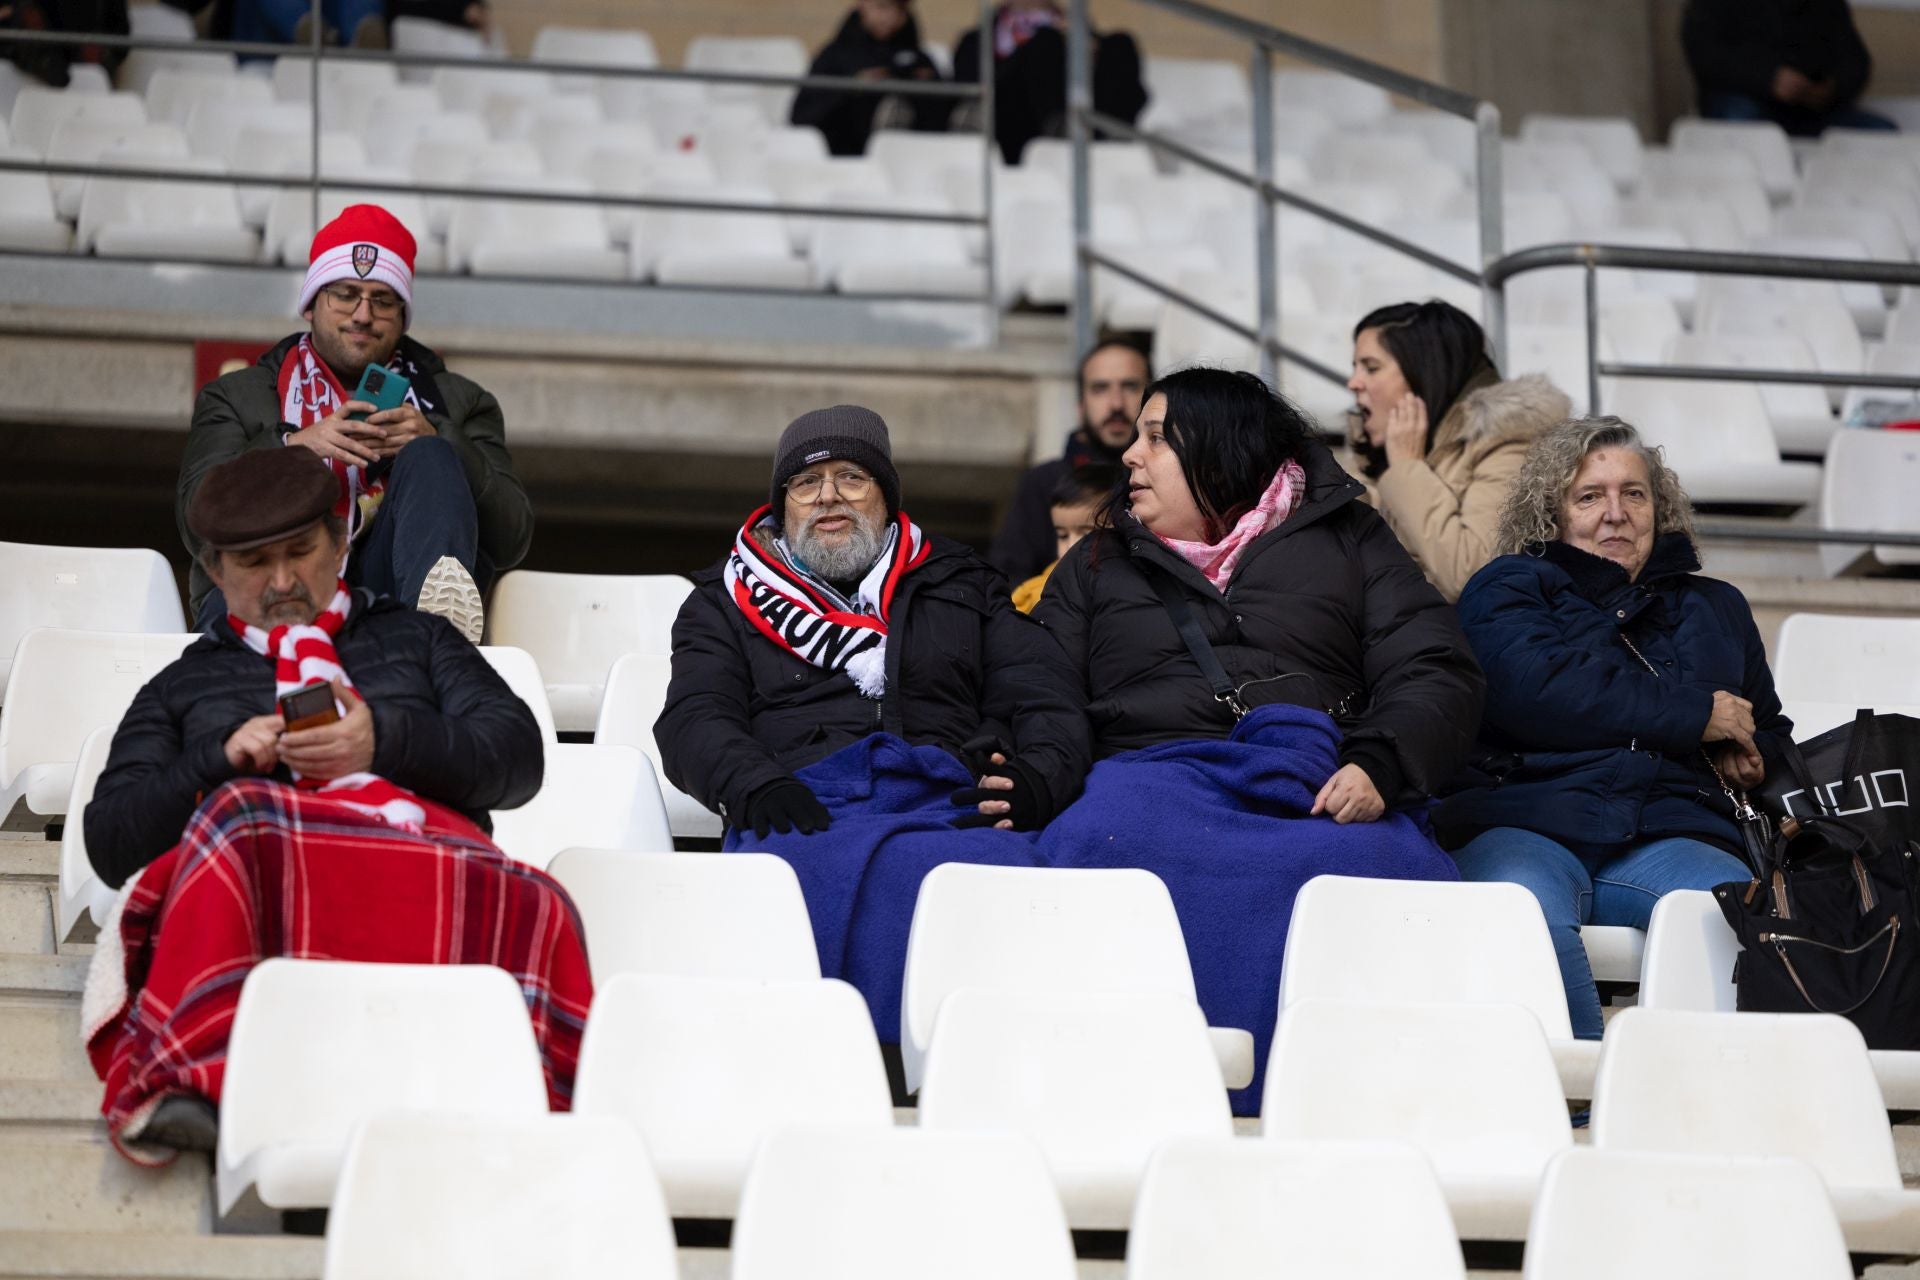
(989, 143)
(313, 104)
(1079, 102)
(1493, 295)
(1593, 338)
(1266, 254)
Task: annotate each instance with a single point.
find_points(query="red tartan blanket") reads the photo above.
(266, 870)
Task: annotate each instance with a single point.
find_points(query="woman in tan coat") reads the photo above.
(1439, 435)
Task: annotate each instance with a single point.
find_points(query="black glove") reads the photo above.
(1031, 803)
(784, 806)
(977, 753)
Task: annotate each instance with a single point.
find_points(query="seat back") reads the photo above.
(1425, 942)
(1473, 1086)
(1869, 483)
(636, 694)
(1236, 1210)
(38, 112)
(319, 1045)
(876, 1204)
(497, 1198)
(83, 589)
(1861, 661)
(1097, 1079)
(705, 1068)
(1603, 1214)
(522, 674)
(593, 795)
(69, 684)
(692, 915)
(1690, 955)
(576, 625)
(81, 892)
(1034, 928)
(1745, 1084)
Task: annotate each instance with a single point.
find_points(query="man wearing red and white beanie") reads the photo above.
(427, 489)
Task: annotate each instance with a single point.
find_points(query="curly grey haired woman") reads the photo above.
(1628, 697)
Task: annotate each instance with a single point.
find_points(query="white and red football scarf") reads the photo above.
(305, 656)
(809, 619)
(310, 392)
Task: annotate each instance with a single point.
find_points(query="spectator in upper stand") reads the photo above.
(880, 40)
(1030, 73)
(1798, 63)
(428, 490)
(1626, 697)
(1079, 498)
(1112, 376)
(362, 23)
(472, 14)
(1440, 434)
(49, 62)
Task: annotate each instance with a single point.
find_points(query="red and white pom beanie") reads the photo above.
(364, 243)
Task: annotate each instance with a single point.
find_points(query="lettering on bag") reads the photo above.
(1882, 789)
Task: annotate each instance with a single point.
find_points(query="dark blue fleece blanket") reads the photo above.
(1223, 822)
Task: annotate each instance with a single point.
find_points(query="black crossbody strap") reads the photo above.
(1196, 640)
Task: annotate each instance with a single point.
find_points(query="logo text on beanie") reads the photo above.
(364, 256)
(818, 455)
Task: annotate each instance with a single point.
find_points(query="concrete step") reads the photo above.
(51, 1106)
(74, 1255)
(40, 1040)
(42, 977)
(31, 858)
(26, 915)
(76, 1181)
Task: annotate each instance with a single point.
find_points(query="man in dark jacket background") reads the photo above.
(432, 504)
(1112, 377)
(878, 41)
(424, 711)
(1798, 63)
(837, 617)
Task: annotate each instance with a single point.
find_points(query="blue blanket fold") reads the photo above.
(1223, 822)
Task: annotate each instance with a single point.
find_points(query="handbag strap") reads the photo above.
(1195, 639)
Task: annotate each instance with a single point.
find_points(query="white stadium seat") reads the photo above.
(1233, 1210)
(1717, 438)
(758, 55)
(164, 22)
(1046, 928)
(1869, 483)
(1339, 97)
(577, 625)
(172, 94)
(878, 1204)
(522, 674)
(705, 1068)
(544, 238)
(1195, 95)
(1856, 661)
(917, 162)
(1801, 417)
(443, 39)
(1877, 230)
(320, 1045)
(690, 915)
(66, 684)
(83, 589)
(29, 220)
(1690, 955)
(705, 247)
(82, 141)
(82, 894)
(1728, 177)
(1765, 141)
(157, 218)
(1603, 1214)
(593, 795)
(857, 255)
(437, 1193)
(636, 694)
(1097, 1079)
(1472, 1085)
(347, 89)
(1613, 140)
(287, 150)
(39, 112)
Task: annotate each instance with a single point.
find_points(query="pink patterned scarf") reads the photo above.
(1217, 560)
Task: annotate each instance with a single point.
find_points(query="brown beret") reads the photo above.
(261, 496)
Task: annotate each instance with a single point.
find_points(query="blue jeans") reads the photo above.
(426, 512)
(272, 21)
(1615, 888)
(1739, 106)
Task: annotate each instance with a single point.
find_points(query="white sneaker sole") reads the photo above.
(449, 591)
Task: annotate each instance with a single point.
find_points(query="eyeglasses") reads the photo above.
(851, 485)
(349, 300)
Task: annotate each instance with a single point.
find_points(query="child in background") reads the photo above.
(1077, 500)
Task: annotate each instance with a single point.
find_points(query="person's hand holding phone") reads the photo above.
(333, 750)
(338, 436)
(254, 748)
(399, 427)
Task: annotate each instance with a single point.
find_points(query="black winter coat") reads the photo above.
(1735, 46)
(1581, 743)
(962, 662)
(845, 118)
(445, 726)
(1328, 609)
(1024, 545)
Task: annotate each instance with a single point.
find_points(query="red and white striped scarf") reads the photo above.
(808, 619)
(310, 392)
(304, 656)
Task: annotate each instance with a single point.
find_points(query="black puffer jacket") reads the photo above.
(1330, 596)
(961, 662)
(445, 726)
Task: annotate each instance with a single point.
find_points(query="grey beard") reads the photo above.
(846, 562)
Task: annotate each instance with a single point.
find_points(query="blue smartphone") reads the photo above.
(380, 387)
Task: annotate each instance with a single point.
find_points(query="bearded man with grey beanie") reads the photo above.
(835, 617)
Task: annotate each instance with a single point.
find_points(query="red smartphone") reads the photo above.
(308, 708)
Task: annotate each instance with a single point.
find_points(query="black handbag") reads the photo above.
(1863, 771)
(1827, 925)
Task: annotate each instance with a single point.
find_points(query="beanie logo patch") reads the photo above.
(818, 455)
(364, 258)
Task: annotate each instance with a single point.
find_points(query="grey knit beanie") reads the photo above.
(846, 432)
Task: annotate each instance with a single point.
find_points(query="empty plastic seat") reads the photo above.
(1195, 95)
(470, 88)
(757, 55)
(1333, 95)
(1473, 1086)
(1614, 141)
(66, 684)
(1703, 221)
(513, 118)
(1869, 483)
(600, 46)
(163, 22)
(857, 255)
(577, 625)
(1765, 141)
(919, 162)
(289, 151)
(594, 795)
(1735, 1084)
(1046, 928)
(706, 247)
(172, 94)
(212, 130)
(83, 141)
(1098, 1080)
(1857, 661)
(1810, 310)
(131, 217)
(1690, 955)
(497, 1198)
(1727, 177)
(1877, 230)
(705, 1068)
(876, 1204)
(1717, 438)
(636, 694)
(424, 35)
(38, 112)
(319, 1045)
(1559, 352)
(82, 895)
(347, 89)
(547, 238)
(690, 915)
(1866, 302)
(1108, 162)
(522, 674)
(83, 589)
(1236, 1210)
(1800, 415)
(1603, 1214)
